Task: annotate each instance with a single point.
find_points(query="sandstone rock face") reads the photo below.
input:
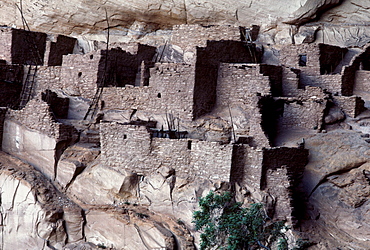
(34, 214)
(337, 180)
(137, 18)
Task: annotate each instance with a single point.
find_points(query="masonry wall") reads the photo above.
(304, 114)
(246, 166)
(6, 44)
(130, 148)
(28, 47)
(239, 87)
(188, 37)
(3, 112)
(170, 91)
(37, 116)
(362, 81)
(64, 45)
(351, 105)
(77, 76)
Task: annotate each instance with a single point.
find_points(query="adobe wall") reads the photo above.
(130, 148)
(6, 44)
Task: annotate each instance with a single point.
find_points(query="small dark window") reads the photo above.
(189, 144)
(159, 95)
(91, 56)
(79, 74)
(124, 136)
(302, 60)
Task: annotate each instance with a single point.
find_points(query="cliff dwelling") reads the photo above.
(111, 144)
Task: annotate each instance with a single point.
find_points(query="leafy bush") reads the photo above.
(225, 224)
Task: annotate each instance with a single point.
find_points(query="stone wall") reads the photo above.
(351, 105)
(303, 113)
(246, 166)
(130, 148)
(239, 87)
(318, 66)
(188, 37)
(170, 91)
(64, 45)
(362, 80)
(28, 47)
(6, 44)
(3, 112)
(77, 76)
(37, 116)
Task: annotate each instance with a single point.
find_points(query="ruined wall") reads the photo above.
(170, 91)
(351, 105)
(64, 45)
(130, 148)
(28, 47)
(188, 37)
(239, 87)
(37, 116)
(246, 166)
(305, 114)
(362, 81)
(6, 44)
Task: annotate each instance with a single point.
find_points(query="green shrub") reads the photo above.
(225, 224)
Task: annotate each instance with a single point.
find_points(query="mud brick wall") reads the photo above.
(188, 37)
(3, 112)
(305, 114)
(6, 44)
(37, 116)
(362, 81)
(351, 105)
(246, 166)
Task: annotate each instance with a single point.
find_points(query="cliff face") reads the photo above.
(272, 110)
(342, 23)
